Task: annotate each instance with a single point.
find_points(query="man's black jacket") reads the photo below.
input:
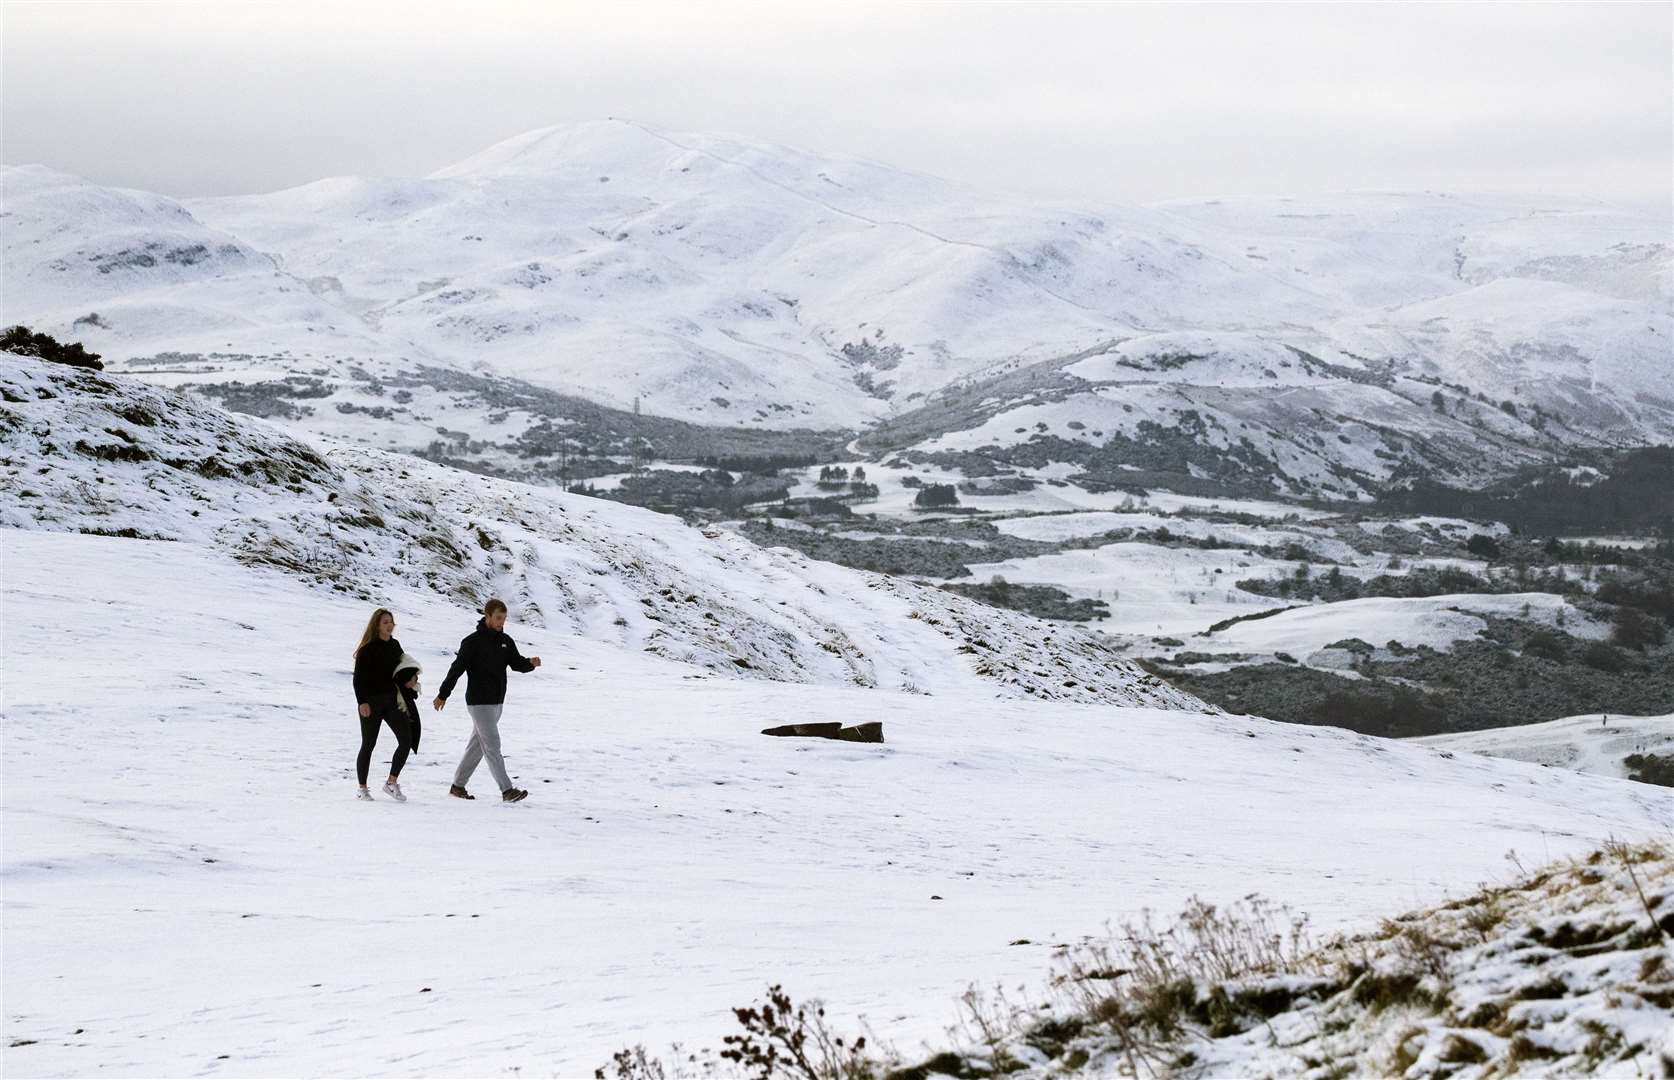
(484, 656)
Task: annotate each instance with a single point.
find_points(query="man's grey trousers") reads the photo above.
(485, 743)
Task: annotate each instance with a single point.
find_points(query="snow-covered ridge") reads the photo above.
(730, 281)
(101, 453)
(139, 272)
(1597, 743)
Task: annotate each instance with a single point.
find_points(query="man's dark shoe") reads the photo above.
(459, 793)
(512, 794)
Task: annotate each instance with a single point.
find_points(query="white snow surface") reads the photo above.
(1595, 743)
(1050, 527)
(1151, 589)
(1494, 991)
(1436, 621)
(187, 875)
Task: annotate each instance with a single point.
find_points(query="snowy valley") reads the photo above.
(181, 591)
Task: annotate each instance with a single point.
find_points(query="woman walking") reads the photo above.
(376, 693)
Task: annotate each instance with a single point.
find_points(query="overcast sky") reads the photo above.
(1066, 101)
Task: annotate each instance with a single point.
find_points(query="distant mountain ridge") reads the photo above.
(726, 281)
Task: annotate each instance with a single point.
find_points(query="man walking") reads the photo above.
(484, 656)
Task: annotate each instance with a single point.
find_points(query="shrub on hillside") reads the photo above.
(1483, 546)
(20, 340)
(1651, 768)
(782, 1040)
(1402, 713)
(1652, 595)
(1633, 629)
(933, 495)
(1041, 601)
(1547, 644)
(1604, 657)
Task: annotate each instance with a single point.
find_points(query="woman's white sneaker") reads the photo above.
(364, 796)
(393, 790)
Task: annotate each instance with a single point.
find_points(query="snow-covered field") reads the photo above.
(1047, 498)
(1150, 589)
(187, 875)
(1436, 621)
(1594, 744)
(1072, 526)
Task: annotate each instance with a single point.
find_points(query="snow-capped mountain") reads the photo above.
(731, 282)
(139, 273)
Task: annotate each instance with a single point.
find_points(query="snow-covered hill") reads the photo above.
(138, 272)
(729, 281)
(91, 452)
(1597, 743)
(1307, 632)
(190, 887)
(1255, 411)
(1562, 973)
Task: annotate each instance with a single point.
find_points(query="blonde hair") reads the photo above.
(371, 630)
(492, 606)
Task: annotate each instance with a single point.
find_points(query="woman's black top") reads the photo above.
(375, 672)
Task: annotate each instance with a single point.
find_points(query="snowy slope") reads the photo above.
(1594, 744)
(1561, 973)
(190, 888)
(731, 281)
(100, 453)
(133, 272)
(1433, 621)
(1257, 410)
(1150, 589)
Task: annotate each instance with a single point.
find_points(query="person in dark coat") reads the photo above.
(376, 693)
(484, 656)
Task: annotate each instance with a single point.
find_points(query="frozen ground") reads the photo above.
(190, 889)
(1595, 743)
(1058, 527)
(1150, 589)
(1561, 973)
(1436, 621)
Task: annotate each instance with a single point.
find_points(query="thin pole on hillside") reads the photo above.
(639, 441)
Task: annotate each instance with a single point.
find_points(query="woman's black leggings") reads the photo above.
(369, 725)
